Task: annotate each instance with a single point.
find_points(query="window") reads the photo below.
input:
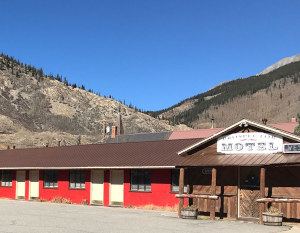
(6, 178)
(175, 181)
(77, 179)
(141, 180)
(50, 179)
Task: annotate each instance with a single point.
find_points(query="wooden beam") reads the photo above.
(200, 196)
(181, 189)
(279, 200)
(262, 192)
(213, 193)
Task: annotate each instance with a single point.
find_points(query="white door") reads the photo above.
(116, 187)
(20, 178)
(97, 178)
(33, 184)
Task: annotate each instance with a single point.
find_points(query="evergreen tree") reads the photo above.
(297, 128)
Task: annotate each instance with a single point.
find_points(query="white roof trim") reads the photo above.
(262, 126)
(70, 168)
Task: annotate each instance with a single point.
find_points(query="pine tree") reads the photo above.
(297, 128)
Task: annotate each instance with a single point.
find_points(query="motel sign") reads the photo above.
(249, 143)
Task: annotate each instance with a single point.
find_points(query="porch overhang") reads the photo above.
(250, 160)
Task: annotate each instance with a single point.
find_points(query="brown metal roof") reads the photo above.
(134, 154)
(239, 159)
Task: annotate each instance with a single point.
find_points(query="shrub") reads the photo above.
(84, 202)
(191, 207)
(273, 210)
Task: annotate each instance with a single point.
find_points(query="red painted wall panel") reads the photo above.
(106, 188)
(160, 190)
(63, 191)
(9, 192)
(27, 185)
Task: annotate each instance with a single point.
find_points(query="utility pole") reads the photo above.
(104, 125)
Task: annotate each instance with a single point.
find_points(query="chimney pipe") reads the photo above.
(212, 122)
(14, 147)
(47, 144)
(293, 119)
(58, 143)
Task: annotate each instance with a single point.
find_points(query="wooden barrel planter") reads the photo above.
(189, 214)
(272, 219)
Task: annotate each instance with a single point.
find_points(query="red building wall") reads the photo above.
(9, 192)
(106, 188)
(63, 190)
(160, 194)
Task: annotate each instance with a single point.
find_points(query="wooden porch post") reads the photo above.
(181, 189)
(213, 192)
(262, 192)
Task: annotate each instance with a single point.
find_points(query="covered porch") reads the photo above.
(241, 171)
(241, 192)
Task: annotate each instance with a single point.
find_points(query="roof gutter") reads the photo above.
(72, 168)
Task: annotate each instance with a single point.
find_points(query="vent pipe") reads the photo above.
(212, 122)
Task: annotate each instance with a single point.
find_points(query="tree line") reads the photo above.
(230, 90)
(17, 68)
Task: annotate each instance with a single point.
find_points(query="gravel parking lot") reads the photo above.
(23, 216)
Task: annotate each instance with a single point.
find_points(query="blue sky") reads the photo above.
(152, 53)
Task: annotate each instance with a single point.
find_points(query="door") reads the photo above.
(20, 189)
(116, 187)
(249, 192)
(33, 185)
(97, 178)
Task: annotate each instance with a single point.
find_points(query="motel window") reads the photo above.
(175, 181)
(6, 178)
(50, 178)
(77, 179)
(141, 180)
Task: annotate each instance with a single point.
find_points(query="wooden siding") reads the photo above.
(226, 189)
(284, 182)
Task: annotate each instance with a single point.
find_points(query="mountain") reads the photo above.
(281, 63)
(274, 94)
(38, 109)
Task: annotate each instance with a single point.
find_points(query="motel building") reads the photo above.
(235, 173)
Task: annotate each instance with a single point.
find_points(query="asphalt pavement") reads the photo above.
(25, 216)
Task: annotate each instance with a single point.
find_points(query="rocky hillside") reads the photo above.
(37, 109)
(274, 95)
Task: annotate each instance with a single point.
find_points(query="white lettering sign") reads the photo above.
(291, 148)
(249, 143)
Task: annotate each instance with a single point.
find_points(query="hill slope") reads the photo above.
(274, 95)
(37, 109)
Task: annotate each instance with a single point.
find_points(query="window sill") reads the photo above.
(50, 187)
(6, 186)
(76, 188)
(176, 192)
(139, 191)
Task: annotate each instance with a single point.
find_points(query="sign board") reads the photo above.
(250, 143)
(206, 171)
(291, 148)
